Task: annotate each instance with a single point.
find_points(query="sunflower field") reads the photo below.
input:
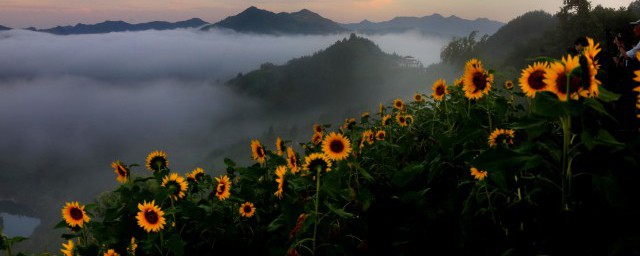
(475, 168)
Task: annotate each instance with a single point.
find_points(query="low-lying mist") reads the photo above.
(70, 105)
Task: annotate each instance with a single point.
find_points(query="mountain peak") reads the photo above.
(255, 20)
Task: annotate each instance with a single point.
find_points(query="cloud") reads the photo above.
(71, 105)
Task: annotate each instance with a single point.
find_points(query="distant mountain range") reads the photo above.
(121, 26)
(254, 20)
(4, 28)
(434, 24)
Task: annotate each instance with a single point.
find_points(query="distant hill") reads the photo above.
(254, 20)
(4, 28)
(351, 70)
(509, 42)
(121, 26)
(434, 24)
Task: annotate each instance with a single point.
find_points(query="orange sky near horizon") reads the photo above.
(50, 13)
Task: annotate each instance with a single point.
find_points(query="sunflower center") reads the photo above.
(158, 163)
(536, 80)
(561, 82)
(318, 163)
(151, 216)
(440, 91)
(121, 171)
(381, 136)
(402, 119)
(174, 187)
(221, 188)
(336, 146)
(246, 209)
(398, 104)
(260, 152)
(480, 81)
(418, 98)
(292, 161)
(76, 213)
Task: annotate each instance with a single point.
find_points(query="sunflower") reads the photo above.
(401, 119)
(132, 247)
(279, 146)
(111, 252)
(458, 82)
(195, 175)
(223, 188)
(247, 210)
(508, 85)
(292, 161)
(336, 147)
(257, 151)
(398, 104)
(317, 128)
(439, 90)
(473, 63)
(505, 136)
(176, 185)
(368, 136)
(477, 81)
(68, 248)
(408, 119)
(417, 97)
(317, 161)
(478, 175)
(121, 171)
(556, 78)
(364, 115)
(74, 214)
(317, 138)
(280, 172)
(150, 217)
(591, 83)
(532, 79)
(380, 135)
(386, 120)
(349, 123)
(157, 160)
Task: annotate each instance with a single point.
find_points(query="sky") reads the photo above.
(50, 13)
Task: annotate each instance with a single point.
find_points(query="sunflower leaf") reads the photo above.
(607, 96)
(175, 245)
(597, 106)
(340, 212)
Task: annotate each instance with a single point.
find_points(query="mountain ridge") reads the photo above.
(109, 26)
(434, 24)
(255, 20)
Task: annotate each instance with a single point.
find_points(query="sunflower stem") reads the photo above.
(486, 191)
(566, 177)
(9, 250)
(490, 122)
(317, 203)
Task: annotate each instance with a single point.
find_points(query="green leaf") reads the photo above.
(229, 162)
(597, 106)
(61, 224)
(407, 175)
(366, 174)
(607, 96)
(339, 211)
(176, 245)
(275, 224)
(16, 239)
(587, 139)
(605, 138)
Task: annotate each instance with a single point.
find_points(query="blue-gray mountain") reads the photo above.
(434, 24)
(4, 28)
(254, 20)
(121, 26)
